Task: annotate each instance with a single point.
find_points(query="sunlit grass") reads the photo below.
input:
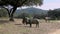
(11, 28)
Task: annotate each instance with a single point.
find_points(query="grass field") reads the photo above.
(7, 27)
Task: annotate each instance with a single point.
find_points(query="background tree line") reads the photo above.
(3, 12)
(54, 14)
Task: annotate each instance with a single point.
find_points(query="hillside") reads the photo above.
(31, 11)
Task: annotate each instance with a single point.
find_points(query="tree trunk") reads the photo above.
(11, 13)
(11, 18)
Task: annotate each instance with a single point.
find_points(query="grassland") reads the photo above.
(16, 27)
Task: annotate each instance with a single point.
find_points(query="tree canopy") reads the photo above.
(19, 3)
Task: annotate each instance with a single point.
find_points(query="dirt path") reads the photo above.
(56, 32)
(18, 28)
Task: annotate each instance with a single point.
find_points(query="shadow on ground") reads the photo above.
(4, 21)
(18, 24)
(26, 26)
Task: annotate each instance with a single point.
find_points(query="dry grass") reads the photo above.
(7, 27)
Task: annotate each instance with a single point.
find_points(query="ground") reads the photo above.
(16, 27)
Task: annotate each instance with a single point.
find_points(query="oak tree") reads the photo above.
(17, 3)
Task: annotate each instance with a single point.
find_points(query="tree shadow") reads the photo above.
(4, 21)
(18, 24)
(26, 26)
(29, 27)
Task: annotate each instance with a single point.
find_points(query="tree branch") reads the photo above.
(13, 10)
(22, 3)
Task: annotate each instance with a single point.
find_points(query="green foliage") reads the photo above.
(54, 14)
(3, 12)
(18, 3)
(24, 15)
(39, 16)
